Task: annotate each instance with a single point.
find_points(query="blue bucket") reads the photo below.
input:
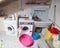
(35, 35)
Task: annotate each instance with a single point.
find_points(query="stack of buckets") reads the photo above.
(50, 31)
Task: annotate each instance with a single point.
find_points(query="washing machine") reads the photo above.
(10, 27)
(26, 27)
(10, 24)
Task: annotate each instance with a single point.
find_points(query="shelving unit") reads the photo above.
(41, 2)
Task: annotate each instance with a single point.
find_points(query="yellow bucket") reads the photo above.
(50, 31)
(48, 34)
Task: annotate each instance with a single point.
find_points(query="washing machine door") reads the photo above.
(11, 29)
(25, 28)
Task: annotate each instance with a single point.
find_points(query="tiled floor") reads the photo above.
(13, 42)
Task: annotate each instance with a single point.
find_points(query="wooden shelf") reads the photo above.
(42, 4)
(34, 2)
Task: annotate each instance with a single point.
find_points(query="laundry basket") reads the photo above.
(26, 40)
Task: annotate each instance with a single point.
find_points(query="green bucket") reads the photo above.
(38, 29)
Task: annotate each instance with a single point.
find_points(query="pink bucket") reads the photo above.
(26, 40)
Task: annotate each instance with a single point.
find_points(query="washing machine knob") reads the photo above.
(25, 28)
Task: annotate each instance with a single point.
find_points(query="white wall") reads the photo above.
(13, 7)
(58, 12)
(51, 14)
(28, 9)
(31, 8)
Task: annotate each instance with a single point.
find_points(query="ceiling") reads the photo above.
(6, 2)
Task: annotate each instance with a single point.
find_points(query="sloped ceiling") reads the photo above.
(6, 2)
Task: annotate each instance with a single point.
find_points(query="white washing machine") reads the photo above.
(26, 27)
(10, 27)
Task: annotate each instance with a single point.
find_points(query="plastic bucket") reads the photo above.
(38, 29)
(49, 32)
(47, 35)
(26, 40)
(35, 35)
